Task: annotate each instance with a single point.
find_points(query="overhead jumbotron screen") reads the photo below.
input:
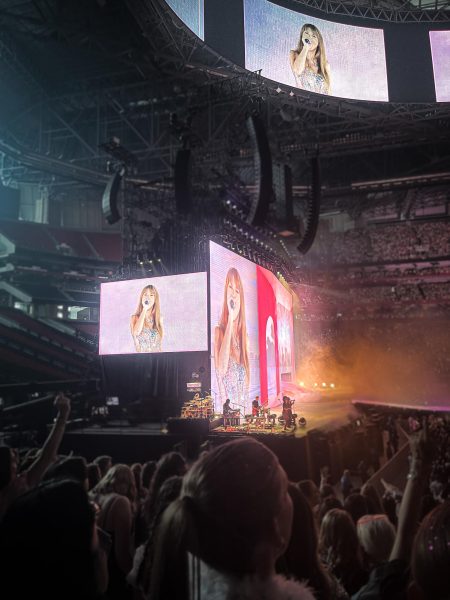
(147, 316)
(192, 13)
(314, 54)
(440, 52)
(252, 335)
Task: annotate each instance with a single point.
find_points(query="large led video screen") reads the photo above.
(440, 53)
(252, 340)
(192, 13)
(313, 54)
(159, 314)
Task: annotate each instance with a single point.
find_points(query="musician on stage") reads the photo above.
(287, 412)
(226, 409)
(229, 414)
(256, 407)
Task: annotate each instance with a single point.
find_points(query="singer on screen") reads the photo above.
(309, 62)
(231, 343)
(146, 323)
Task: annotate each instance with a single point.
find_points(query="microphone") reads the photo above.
(307, 41)
(232, 304)
(146, 302)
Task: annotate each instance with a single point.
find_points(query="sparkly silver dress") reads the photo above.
(234, 380)
(149, 340)
(311, 82)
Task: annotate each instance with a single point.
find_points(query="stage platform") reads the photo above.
(148, 441)
(319, 411)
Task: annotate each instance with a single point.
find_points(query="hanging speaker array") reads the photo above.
(110, 198)
(263, 172)
(313, 208)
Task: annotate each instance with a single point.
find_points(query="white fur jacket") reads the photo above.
(217, 586)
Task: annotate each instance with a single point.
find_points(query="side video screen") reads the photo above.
(161, 314)
(192, 13)
(252, 342)
(440, 53)
(313, 54)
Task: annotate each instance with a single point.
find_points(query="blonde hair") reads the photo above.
(155, 310)
(320, 51)
(233, 276)
(118, 480)
(376, 535)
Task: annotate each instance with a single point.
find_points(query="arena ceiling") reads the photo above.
(77, 74)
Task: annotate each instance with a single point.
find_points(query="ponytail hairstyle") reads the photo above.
(223, 524)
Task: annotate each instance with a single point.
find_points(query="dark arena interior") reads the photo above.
(225, 244)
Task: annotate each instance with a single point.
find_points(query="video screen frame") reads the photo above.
(154, 315)
(440, 55)
(275, 44)
(249, 357)
(192, 13)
